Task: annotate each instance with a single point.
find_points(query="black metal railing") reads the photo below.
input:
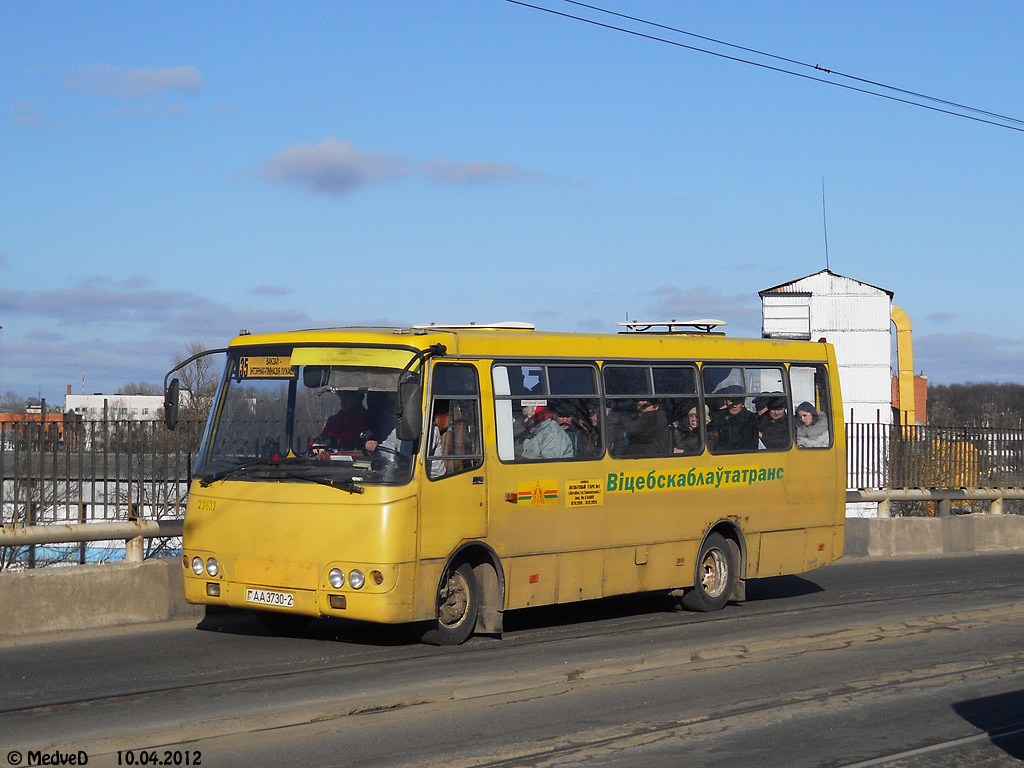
(79, 471)
(91, 471)
(894, 456)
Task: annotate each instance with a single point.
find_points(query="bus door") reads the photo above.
(453, 491)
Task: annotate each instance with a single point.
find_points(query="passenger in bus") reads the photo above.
(761, 406)
(343, 430)
(615, 430)
(647, 432)
(774, 426)
(584, 436)
(435, 469)
(736, 426)
(589, 446)
(545, 439)
(687, 436)
(811, 428)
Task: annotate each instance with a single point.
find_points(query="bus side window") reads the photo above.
(767, 385)
(676, 390)
(546, 412)
(453, 431)
(733, 426)
(647, 409)
(813, 406)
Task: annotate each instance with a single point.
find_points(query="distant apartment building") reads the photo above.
(98, 407)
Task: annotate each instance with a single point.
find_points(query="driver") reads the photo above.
(343, 429)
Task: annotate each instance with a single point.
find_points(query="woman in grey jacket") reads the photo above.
(811, 428)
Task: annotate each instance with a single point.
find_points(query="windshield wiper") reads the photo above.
(238, 469)
(341, 485)
(268, 467)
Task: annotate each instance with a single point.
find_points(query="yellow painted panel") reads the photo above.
(580, 576)
(276, 573)
(621, 573)
(384, 358)
(782, 552)
(669, 565)
(753, 555)
(299, 523)
(531, 581)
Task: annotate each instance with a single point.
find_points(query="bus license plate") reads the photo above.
(266, 597)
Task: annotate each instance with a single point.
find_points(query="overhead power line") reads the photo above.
(906, 96)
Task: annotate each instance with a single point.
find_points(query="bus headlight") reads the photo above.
(212, 566)
(337, 578)
(197, 565)
(356, 579)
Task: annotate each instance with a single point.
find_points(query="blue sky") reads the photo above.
(178, 172)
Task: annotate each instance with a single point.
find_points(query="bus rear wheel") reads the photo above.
(458, 602)
(715, 576)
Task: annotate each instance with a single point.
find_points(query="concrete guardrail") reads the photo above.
(113, 594)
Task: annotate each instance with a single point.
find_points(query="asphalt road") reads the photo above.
(910, 662)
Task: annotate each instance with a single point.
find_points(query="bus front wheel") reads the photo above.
(458, 602)
(716, 573)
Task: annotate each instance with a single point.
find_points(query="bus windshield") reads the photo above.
(321, 414)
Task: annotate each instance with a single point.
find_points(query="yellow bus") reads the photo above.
(442, 475)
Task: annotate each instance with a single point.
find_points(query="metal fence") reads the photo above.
(91, 471)
(113, 471)
(881, 456)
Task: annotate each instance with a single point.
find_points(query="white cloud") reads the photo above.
(113, 331)
(271, 290)
(332, 166)
(960, 358)
(336, 167)
(128, 83)
(741, 312)
(26, 114)
(475, 173)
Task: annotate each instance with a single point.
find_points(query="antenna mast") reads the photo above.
(824, 221)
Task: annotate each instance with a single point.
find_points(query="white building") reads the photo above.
(96, 407)
(855, 318)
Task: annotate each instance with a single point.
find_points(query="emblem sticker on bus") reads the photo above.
(265, 367)
(539, 493)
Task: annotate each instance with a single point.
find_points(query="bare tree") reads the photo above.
(12, 402)
(139, 388)
(999, 406)
(198, 379)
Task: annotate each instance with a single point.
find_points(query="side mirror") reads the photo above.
(410, 411)
(171, 404)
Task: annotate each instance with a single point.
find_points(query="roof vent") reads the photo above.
(703, 325)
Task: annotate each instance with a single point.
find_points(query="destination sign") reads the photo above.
(265, 367)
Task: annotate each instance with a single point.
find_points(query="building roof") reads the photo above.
(824, 281)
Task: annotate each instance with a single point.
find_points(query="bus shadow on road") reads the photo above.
(588, 611)
(240, 622)
(244, 623)
(1001, 717)
(780, 588)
